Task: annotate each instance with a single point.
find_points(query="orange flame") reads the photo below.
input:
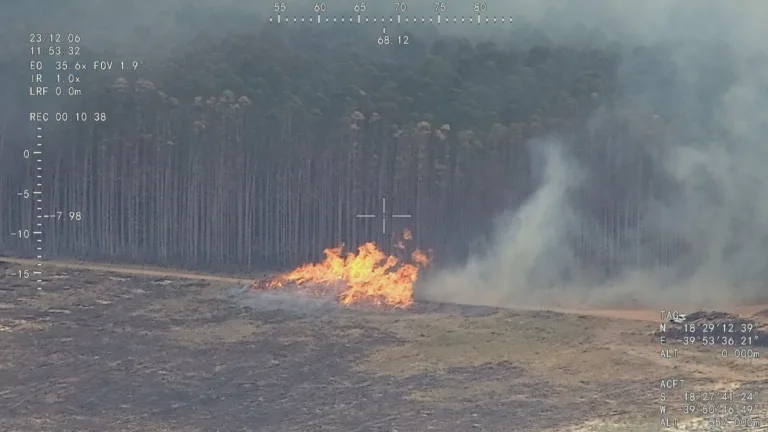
(370, 275)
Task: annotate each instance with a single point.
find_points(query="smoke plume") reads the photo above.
(710, 152)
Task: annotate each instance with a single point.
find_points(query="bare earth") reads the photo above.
(110, 348)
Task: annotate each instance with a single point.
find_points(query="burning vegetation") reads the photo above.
(370, 276)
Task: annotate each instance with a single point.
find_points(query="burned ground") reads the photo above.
(103, 351)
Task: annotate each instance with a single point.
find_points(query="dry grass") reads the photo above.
(8, 325)
(435, 363)
(237, 330)
(64, 300)
(192, 302)
(542, 343)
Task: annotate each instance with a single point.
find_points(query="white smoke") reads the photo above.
(528, 240)
(719, 206)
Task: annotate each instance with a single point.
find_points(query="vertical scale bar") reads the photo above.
(383, 215)
(39, 205)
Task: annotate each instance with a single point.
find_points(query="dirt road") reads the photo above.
(630, 314)
(128, 270)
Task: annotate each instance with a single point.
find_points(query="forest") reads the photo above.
(256, 148)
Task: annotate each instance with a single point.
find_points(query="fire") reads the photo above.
(369, 276)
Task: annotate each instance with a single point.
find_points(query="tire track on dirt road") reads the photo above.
(647, 315)
(133, 270)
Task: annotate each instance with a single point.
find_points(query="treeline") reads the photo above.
(259, 150)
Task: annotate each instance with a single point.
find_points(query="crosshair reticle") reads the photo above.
(383, 215)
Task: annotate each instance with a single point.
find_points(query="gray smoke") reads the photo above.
(528, 240)
(713, 153)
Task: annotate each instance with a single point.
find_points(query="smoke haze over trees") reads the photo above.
(590, 148)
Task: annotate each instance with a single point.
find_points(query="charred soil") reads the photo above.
(104, 350)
